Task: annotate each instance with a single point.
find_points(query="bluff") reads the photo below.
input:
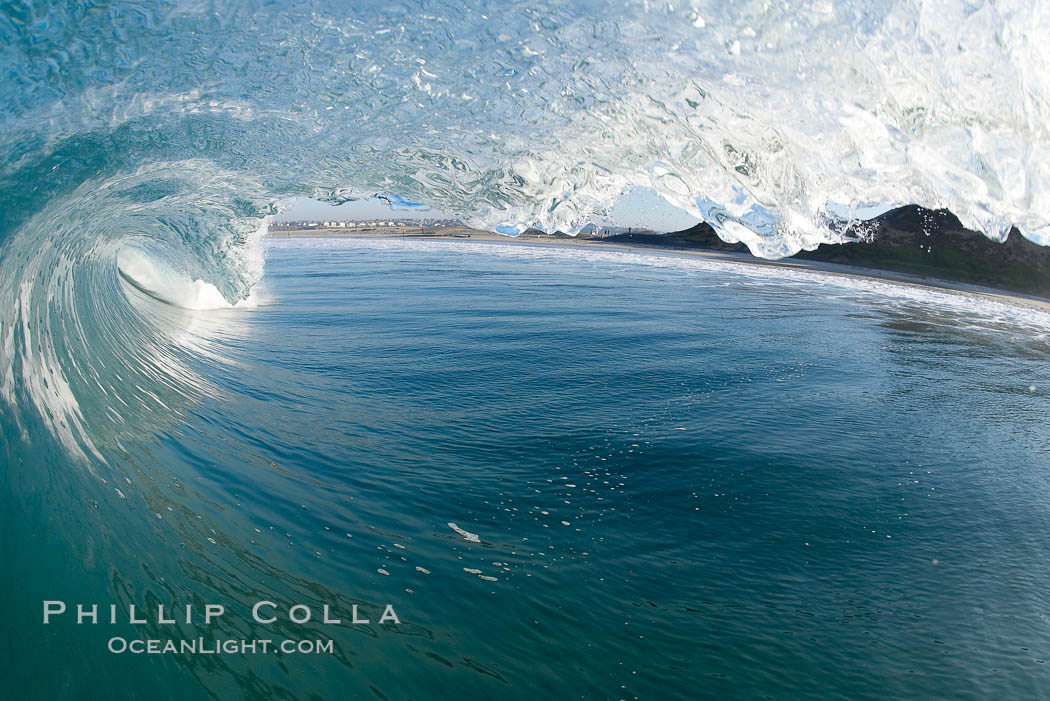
(933, 243)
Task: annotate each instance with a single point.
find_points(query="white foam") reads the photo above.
(169, 286)
(467, 535)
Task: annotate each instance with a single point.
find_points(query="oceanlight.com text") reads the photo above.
(202, 646)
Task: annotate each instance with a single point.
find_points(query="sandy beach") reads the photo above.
(476, 235)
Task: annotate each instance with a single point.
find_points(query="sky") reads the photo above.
(644, 209)
(639, 208)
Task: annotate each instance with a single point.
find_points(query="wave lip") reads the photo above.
(764, 119)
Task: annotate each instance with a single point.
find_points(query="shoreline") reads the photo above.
(836, 269)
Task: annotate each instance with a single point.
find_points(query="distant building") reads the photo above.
(364, 224)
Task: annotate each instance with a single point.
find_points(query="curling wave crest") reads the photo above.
(150, 142)
(769, 120)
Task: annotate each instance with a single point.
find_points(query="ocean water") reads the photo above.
(569, 473)
(573, 474)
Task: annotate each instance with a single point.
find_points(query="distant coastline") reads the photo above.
(676, 243)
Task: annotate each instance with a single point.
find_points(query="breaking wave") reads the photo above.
(144, 145)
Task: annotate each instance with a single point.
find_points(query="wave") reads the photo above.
(767, 121)
(74, 336)
(166, 285)
(149, 144)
